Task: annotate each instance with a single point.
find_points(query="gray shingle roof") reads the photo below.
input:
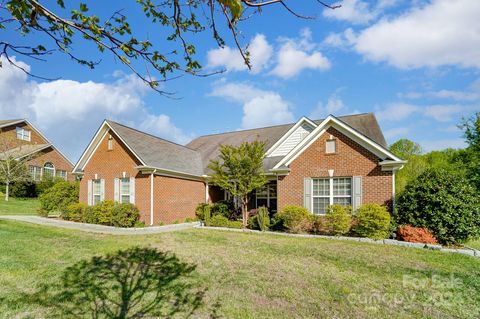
(208, 145)
(23, 150)
(159, 153)
(8, 122)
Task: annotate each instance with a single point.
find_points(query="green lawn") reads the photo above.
(16, 206)
(473, 244)
(242, 275)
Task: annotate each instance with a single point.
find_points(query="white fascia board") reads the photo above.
(370, 145)
(44, 137)
(13, 123)
(169, 173)
(289, 132)
(95, 142)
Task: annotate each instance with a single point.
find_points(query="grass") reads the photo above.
(257, 276)
(18, 206)
(475, 244)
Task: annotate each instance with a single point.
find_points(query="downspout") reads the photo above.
(207, 197)
(151, 197)
(393, 191)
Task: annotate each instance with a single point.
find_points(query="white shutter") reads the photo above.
(307, 193)
(116, 189)
(102, 190)
(357, 192)
(89, 200)
(132, 190)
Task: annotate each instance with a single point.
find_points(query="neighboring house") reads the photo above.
(314, 164)
(20, 139)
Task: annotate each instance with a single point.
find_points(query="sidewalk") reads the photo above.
(98, 228)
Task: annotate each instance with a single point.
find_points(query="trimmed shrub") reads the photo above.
(59, 196)
(416, 235)
(75, 212)
(222, 221)
(260, 221)
(221, 208)
(102, 213)
(338, 220)
(319, 223)
(46, 183)
(124, 215)
(294, 219)
(25, 189)
(200, 210)
(443, 202)
(373, 221)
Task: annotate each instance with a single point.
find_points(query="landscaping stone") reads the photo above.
(433, 247)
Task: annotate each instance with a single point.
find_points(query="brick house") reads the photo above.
(21, 140)
(314, 164)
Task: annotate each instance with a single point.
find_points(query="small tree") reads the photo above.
(13, 159)
(239, 171)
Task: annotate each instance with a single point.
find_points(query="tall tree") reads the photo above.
(55, 26)
(13, 159)
(239, 171)
(412, 153)
(471, 155)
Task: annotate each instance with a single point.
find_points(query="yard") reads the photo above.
(249, 275)
(18, 206)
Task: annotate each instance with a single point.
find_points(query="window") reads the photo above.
(329, 191)
(62, 174)
(267, 196)
(35, 172)
(23, 134)
(124, 190)
(48, 170)
(96, 191)
(331, 146)
(110, 143)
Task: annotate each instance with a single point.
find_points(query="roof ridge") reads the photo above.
(154, 136)
(277, 125)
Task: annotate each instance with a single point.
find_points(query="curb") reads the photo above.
(392, 242)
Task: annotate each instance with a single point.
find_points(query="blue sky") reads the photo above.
(414, 63)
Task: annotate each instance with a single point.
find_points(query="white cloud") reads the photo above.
(396, 112)
(296, 55)
(442, 32)
(333, 106)
(444, 113)
(230, 58)
(260, 107)
(472, 93)
(357, 11)
(396, 132)
(340, 40)
(69, 112)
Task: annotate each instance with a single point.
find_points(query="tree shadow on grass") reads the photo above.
(133, 283)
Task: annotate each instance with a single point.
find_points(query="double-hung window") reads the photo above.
(329, 191)
(35, 172)
(96, 191)
(125, 190)
(48, 170)
(23, 134)
(62, 174)
(267, 196)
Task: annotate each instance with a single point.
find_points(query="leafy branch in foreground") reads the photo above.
(61, 27)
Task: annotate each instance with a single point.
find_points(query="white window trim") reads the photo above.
(94, 181)
(121, 194)
(267, 198)
(54, 171)
(331, 197)
(23, 134)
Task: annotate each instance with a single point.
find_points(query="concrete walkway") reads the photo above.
(99, 228)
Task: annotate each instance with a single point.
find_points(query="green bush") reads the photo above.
(200, 210)
(102, 213)
(75, 212)
(124, 215)
(319, 225)
(294, 219)
(443, 202)
(26, 189)
(47, 182)
(222, 221)
(338, 220)
(260, 221)
(59, 196)
(373, 221)
(221, 208)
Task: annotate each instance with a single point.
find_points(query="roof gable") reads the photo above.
(149, 150)
(291, 139)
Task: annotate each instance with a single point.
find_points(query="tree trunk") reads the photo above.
(245, 211)
(7, 189)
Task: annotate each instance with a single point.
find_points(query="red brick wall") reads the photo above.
(11, 135)
(54, 157)
(350, 159)
(174, 199)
